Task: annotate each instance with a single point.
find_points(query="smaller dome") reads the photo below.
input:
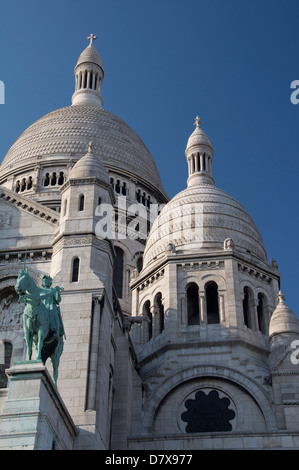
(90, 55)
(283, 319)
(198, 137)
(90, 166)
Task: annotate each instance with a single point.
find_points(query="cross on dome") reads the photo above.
(90, 147)
(91, 38)
(197, 122)
(281, 297)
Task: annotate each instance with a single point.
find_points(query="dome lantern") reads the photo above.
(199, 154)
(89, 74)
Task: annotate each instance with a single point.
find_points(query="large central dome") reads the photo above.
(54, 143)
(66, 133)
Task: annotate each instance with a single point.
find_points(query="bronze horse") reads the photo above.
(38, 322)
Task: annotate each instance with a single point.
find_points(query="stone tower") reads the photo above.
(208, 293)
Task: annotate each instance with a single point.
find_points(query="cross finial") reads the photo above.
(90, 147)
(91, 38)
(197, 122)
(281, 297)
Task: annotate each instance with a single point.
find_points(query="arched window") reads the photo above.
(81, 202)
(159, 314)
(247, 307)
(6, 365)
(212, 303)
(61, 178)
(54, 179)
(18, 186)
(47, 180)
(117, 187)
(75, 270)
(118, 272)
(192, 304)
(29, 183)
(149, 324)
(139, 264)
(261, 317)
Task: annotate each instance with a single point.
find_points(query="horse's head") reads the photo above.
(22, 282)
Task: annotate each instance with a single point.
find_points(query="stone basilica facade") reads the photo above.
(177, 334)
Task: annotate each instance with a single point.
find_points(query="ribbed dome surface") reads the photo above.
(66, 133)
(90, 166)
(198, 137)
(283, 319)
(90, 54)
(217, 218)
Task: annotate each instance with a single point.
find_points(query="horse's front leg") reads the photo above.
(29, 346)
(28, 340)
(40, 342)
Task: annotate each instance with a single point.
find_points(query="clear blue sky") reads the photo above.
(229, 61)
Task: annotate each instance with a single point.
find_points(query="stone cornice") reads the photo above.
(199, 261)
(29, 206)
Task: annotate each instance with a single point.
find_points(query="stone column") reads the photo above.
(255, 323)
(221, 307)
(196, 163)
(94, 81)
(201, 163)
(203, 307)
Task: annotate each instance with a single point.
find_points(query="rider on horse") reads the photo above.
(51, 298)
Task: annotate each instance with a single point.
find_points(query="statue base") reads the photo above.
(34, 416)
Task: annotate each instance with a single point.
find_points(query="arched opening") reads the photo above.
(212, 303)
(118, 272)
(261, 317)
(90, 80)
(29, 183)
(149, 324)
(54, 179)
(192, 304)
(61, 178)
(47, 180)
(81, 203)
(139, 264)
(75, 270)
(247, 307)
(117, 187)
(159, 314)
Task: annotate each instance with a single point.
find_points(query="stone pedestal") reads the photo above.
(34, 416)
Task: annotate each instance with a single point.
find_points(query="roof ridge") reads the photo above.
(27, 205)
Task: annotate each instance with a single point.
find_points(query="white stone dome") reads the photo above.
(198, 138)
(90, 55)
(90, 166)
(218, 217)
(283, 319)
(63, 136)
